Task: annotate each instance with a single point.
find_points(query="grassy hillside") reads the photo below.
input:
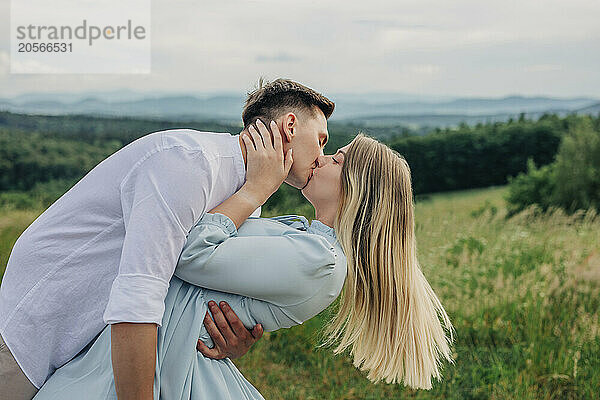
(523, 295)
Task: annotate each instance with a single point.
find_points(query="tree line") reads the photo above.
(43, 156)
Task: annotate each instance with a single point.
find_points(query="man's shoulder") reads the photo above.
(218, 152)
(212, 144)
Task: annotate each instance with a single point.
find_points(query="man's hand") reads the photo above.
(267, 166)
(266, 171)
(228, 343)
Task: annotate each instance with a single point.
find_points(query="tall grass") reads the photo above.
(523, 294)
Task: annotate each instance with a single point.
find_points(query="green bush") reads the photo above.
(577, 169)
(571, 182)
(532, 187)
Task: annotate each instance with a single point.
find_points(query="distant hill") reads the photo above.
(593, 109)
(463, 106)
(374, 108)
(447, 120)
(227, 107)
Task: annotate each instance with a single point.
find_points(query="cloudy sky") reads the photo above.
(424, 47)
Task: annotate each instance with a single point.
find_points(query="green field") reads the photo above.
(522, 293)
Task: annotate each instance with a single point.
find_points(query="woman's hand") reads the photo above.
(266, 166)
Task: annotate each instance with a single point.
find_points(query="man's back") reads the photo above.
(105, 251)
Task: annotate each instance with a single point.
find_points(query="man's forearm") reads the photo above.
(133, 352)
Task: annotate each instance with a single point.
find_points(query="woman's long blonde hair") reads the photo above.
(388, 312)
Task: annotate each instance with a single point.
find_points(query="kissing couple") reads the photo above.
(114, 290)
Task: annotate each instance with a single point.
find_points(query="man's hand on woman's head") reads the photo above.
(267, 166)
(229, 335)
(266, 170)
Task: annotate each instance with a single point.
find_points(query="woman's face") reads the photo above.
(324, 185)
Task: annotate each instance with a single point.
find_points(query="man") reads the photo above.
(105, 251)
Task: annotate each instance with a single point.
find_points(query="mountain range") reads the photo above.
(369, 108)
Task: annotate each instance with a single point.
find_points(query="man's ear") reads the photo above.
(289, 126)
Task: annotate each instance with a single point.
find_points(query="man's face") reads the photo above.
(308, 142)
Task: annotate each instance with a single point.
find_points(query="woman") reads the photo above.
(282, 271)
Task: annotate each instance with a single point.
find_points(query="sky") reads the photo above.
(488, 48)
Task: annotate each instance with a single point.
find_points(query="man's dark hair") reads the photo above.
(271, 99)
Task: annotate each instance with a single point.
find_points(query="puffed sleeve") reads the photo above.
(284, 269)
(162, 196)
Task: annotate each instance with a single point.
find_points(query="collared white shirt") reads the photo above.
(106, 250)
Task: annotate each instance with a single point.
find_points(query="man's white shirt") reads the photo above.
(106, 250)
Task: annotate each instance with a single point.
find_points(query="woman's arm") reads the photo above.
(285, 268)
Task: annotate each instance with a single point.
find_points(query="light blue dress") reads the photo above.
(277, 271)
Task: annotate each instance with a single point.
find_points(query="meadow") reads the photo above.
(522, 293)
